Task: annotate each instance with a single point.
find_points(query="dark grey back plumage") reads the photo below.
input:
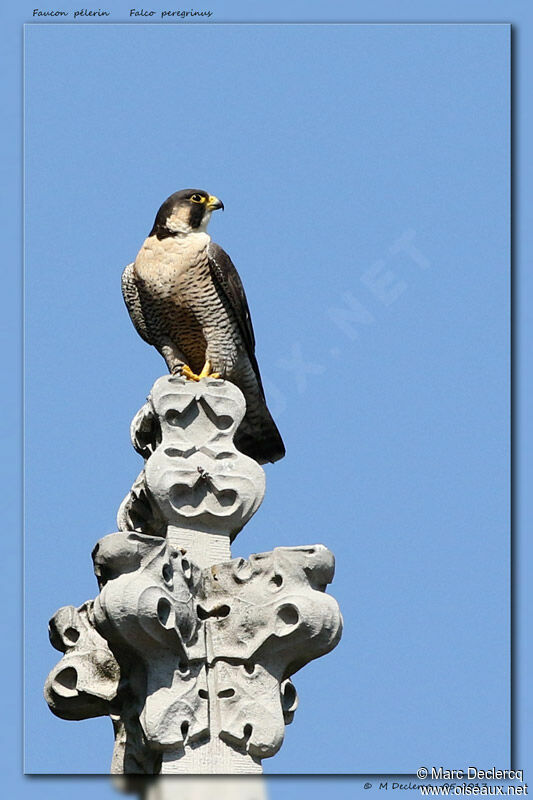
(227, 278)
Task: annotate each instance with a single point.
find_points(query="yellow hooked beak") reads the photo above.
(213, 203)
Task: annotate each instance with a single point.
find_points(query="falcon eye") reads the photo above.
(197, 198)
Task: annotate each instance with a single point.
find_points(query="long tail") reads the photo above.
(257, 435)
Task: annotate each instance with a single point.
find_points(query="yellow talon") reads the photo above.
(187, 371)
(206, 370)
(205, 373)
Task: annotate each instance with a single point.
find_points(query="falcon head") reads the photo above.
(187, 211)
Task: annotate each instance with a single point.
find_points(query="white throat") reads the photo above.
(178, 225)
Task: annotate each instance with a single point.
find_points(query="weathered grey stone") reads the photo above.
(86, 679)
(245, 787)
(195, 486)
(191, 652)
(230, 636)
(280, 615)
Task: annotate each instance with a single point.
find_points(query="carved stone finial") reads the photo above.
(191, 652)
(196, 487)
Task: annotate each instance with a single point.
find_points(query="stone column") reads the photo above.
(244, 787)
(189, 651)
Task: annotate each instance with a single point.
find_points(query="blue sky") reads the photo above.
(364, 171)
(358, 152)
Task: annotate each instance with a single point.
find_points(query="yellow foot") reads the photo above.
(205, 373)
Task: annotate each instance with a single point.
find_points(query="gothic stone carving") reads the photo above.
(86, 679)
(183, 654)
(193, 477)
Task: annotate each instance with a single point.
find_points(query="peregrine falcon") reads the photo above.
(185, 297)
